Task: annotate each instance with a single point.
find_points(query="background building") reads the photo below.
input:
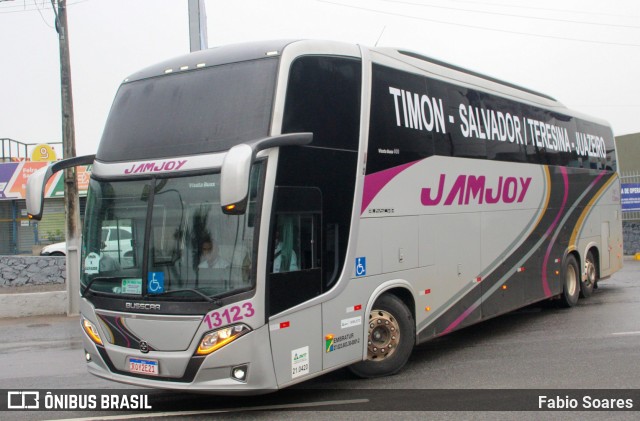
(19, 234)
(629, 167)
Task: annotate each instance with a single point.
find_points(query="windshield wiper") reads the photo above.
(195, 291)
(98, 278)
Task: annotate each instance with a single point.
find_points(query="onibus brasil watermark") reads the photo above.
(70, 400)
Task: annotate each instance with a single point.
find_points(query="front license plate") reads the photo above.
(140, 366)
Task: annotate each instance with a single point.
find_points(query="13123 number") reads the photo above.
(229, 315)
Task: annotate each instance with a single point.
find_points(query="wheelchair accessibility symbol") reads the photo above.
(155, 282)
(361, 266)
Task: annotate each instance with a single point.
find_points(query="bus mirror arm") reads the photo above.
(289, 139)
(37, 182)
(236, 168)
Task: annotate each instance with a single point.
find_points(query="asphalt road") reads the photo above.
(593, 346)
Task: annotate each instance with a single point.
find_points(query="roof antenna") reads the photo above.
(382, 32)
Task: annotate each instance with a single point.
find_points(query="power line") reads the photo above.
(40, 12)
(31, 7)
(484, 12)
(22, 7)
(547, 9)
(483, 28)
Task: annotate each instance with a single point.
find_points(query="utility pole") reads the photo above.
(71, 201)
(197, 26)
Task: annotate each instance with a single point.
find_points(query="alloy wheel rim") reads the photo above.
(384, 335)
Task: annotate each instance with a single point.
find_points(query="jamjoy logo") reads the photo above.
(471, 189)
(28, 399)
(156, 166)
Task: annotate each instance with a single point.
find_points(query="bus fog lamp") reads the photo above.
(220, 337)
(87, 356)
(239, 373)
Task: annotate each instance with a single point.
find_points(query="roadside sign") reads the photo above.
(630, 197)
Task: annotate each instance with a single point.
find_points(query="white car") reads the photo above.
(110, 245)
(116, 242)
(55, 249)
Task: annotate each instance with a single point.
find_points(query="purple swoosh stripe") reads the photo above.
(375, 182)
(460, 318)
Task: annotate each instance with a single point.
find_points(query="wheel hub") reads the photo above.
(590, 272)
(384, 335)
(572, 280)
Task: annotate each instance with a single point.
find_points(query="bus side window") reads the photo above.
(294, 261)
(295, 246)
(285, 249)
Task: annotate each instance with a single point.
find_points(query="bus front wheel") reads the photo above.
(390, 338)
(571, 288)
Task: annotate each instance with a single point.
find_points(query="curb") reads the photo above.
(33, 304)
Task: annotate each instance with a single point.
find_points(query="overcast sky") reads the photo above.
(585, 53)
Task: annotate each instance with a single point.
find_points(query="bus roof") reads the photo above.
(472, 73)
(259, 49)
(212, 57)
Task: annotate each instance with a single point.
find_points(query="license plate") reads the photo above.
(140, 366)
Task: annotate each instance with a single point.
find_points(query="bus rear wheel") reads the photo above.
(390, 338)
(571, 288)
(591, 276)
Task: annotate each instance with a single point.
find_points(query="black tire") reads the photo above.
(57, 253)
(390, 338)
(571, 277)
(591, 276)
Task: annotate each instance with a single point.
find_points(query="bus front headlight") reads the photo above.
(92, 331)
(218, 338)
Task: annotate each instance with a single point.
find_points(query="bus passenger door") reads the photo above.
(295, 276)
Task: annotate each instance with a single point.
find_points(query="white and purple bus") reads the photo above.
(299, 206)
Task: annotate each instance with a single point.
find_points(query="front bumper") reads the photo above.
(182, 370)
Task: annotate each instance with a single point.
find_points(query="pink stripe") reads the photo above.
(375, 182)
(460, 318)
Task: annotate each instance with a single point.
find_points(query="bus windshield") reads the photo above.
(167, 238)
(193, 112)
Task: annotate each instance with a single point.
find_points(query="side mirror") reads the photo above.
(37, 182)
(236, 168)
(234, 180)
